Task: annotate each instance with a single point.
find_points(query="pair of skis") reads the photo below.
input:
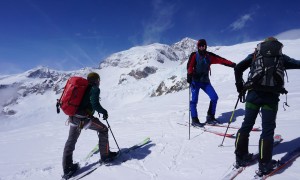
(283, 162)
(234, 171)
(89, 168)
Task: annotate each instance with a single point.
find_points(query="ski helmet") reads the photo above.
(93, 77)
(201, 42)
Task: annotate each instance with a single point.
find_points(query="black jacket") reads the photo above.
(255, 96)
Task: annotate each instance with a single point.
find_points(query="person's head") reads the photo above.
(270, 39)
(202, 45)
(93, 78)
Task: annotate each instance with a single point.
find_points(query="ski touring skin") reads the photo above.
(282, 163)
(233, 171)
(230, 135)
(89, 168)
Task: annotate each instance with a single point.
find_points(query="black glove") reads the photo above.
(239, 87)
(189, 78)
(233, 65)
(105, 116)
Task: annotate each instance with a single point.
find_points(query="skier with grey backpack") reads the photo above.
(264, 85)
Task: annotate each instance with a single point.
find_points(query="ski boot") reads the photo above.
(266, 168)
(70, 170)
(196, 122)
(243, 161)
(210, 119)
(109, 157)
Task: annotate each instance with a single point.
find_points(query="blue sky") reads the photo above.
(72, 34)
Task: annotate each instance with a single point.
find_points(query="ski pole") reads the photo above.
(189, 112)
(111, 132)
(230, 120)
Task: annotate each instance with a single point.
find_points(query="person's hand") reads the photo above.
(239, 87)
(105, 116)
(233, 65)
(189, 78)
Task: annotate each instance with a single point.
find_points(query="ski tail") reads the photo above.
(220, 133)
(284, 161)
(211, 131)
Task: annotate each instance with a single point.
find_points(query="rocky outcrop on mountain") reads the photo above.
(139, 74)
(43, 73)
(170, 87)
(35, 81)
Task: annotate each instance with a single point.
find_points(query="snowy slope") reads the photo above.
(32, 135)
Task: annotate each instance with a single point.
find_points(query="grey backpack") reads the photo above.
(267, 68)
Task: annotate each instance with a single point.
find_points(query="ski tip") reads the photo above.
(277, 137)
(256, 129)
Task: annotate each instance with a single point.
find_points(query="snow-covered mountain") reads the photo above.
(150, 70)
(145, 92)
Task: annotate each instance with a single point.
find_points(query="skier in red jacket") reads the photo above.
(198, 77)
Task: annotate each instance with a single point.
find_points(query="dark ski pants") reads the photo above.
(210, 91)
(74, 133)
(268, 113)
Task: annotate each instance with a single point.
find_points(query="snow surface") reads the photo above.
(32, 140)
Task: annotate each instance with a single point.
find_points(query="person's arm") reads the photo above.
(95, 101)
(192, 63)
(241, 67)
(215, 59)
(290, 63)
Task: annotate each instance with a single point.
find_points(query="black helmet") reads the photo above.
(201, 42)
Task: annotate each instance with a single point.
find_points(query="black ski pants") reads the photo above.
(268, 115)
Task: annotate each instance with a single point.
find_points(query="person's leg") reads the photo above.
(67, 160)
(242, 139)
(102, 131)
(194, 100)
(210, 91)
(269, 113)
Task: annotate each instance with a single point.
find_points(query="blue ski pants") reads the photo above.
(210, 91)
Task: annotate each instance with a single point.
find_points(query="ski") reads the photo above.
(233, 171)
(223, 125)
(283, 162)
(89, 168)
(232, 127)
(230, 135)
(93, 151)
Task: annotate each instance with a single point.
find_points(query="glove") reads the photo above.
(233, 65)
(189, 78)
(239, 87)
(105, 116)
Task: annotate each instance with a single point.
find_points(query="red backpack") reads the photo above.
(72, 95)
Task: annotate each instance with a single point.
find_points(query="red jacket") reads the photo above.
(212, 59)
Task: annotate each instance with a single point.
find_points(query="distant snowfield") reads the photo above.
(32, 140)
